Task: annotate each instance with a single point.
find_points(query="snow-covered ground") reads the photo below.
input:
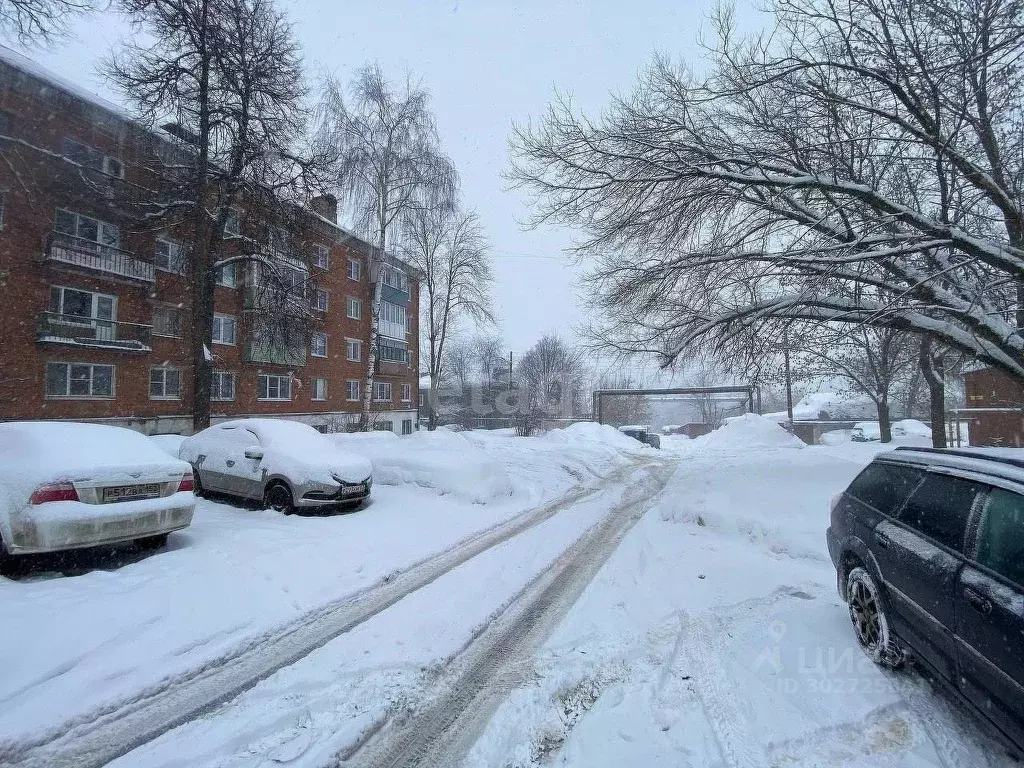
(72, 645)
(715, 637)
(712, 636)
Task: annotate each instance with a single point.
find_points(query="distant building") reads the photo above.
(96, 306)
(995, 408)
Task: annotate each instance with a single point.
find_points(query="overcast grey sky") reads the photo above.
(486, 64)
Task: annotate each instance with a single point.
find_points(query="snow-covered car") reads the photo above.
(285, 464)
(871, 432)
(65, 485)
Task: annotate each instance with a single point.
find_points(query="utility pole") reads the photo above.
(789, 381)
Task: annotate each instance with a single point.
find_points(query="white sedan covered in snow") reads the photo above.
(285, 464)
(65, 486)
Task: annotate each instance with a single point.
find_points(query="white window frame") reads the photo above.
(318, 336)
(95, 296)
(349, 389)
(163, 369)
(181, 321)
(407, 393)
(358, 346)
(352, 304)
(172, 245)
(67, 381)
(358, 269)
(101, 227)
(219, 321)
(323, 251)
(322, 382)
(381, 387)
(279, 378)
(213, 389)
(222, 273)
(233, 230)
(326, 294)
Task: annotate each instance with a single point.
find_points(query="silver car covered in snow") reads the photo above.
(65, 485)
(285, 464)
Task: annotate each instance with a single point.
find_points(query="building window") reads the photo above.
(91, 158)
(170, 256)
(320, 300)
(321, 257)
(382, 391)
(406, 426)
(167, 321)
(275, 387)
(384, 426)
(228, 275)
(86, 305)
(319, 345)
(224, 329)
(87, 228)
(353, 308)
(393, 354)
(395, 278)
(354, 269)
(392, 320)
(353, 350)
(406, 393)
(232, 227)
(84, 380)
(164, 384)
(223, 386)
(319, 389)
(352, 390)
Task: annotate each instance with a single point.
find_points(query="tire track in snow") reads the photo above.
(95, 739)
(442, 733)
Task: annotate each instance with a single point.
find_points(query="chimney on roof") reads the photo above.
(326, 206)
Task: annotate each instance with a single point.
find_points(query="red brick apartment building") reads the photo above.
(94, 310)
(995, 408)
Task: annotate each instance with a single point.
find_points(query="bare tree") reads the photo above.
(859, 164)
(391, 166)
(34, 21)
(551, 375)
(225, 78)
(448, 247)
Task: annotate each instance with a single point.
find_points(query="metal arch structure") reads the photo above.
(746, 390)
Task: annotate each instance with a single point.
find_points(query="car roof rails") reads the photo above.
(966, 454)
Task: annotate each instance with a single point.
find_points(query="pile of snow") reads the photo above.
(443, 461)
(590, 432)
(749, 431)
(835, 437)
(829, 405)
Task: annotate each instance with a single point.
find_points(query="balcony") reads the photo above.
(79, 252)
(77, 331)
(392, 361)
(293, 357)
(392, 295)
(391, 368)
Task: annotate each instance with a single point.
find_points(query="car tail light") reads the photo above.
(53, 492)
(187, 483)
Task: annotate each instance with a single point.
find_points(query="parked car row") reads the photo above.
(928, 547)
(66, 485)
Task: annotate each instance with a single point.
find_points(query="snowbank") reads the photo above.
(590, 432)
(911, 428)
(749, 431)
(443, 461)
(835, 437)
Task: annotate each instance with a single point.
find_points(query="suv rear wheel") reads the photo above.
(870, 621)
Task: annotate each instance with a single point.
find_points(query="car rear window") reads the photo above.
(939, 508)
(885, 486)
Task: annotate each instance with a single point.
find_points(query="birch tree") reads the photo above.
(390, 167)
(449, 248)
(860, 164)
(226, 76)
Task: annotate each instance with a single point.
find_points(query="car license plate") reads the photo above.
(131, 492)
(351, 490)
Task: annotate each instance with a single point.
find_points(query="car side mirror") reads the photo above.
(253, 453)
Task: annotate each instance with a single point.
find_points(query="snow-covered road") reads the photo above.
(617, 607)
